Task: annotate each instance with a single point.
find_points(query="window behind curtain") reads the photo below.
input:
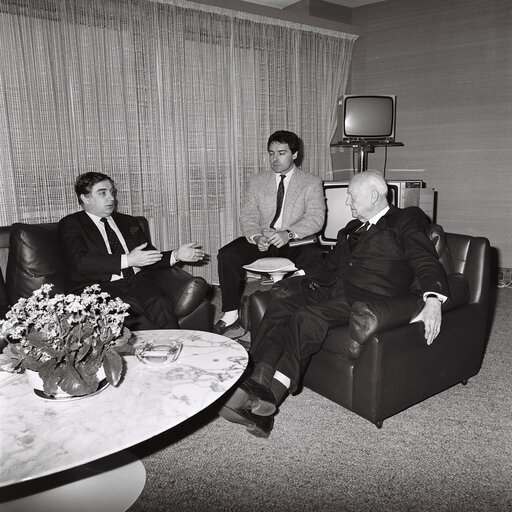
(175, 103)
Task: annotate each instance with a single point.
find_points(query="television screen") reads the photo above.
(371, 117)
(338, 214)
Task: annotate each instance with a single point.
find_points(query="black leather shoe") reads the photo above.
(259, 426)
(254, 397)
(220, 327)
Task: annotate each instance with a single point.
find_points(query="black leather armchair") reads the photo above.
(35, 259)
(380, 363)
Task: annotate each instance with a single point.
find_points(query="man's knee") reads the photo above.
(306, 320)
(231, 251)
(160, 310)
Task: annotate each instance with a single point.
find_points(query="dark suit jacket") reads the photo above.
(87, 257)
(393, 258)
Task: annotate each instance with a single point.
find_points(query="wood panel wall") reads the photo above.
(450, 64)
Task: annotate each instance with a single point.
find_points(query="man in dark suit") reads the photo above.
(104, 247)
(280, 206)
(382, 253)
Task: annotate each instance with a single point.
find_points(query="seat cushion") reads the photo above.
(34, 260)
(271, 265)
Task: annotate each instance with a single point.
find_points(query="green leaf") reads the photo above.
(89, 377)
(73, 384)
(84, 349)
(36, 339)
(87, 330)
(34, 336)
(50, 376)
(31, 363)
(122, 340)
(127, 349)
(113, 365)
(90, 365)
(47, 368)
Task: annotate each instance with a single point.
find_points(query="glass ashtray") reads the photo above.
(159, 352)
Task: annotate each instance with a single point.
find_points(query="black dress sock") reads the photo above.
(279, 390)
(263, 374)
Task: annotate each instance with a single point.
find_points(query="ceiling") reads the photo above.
(281, 4)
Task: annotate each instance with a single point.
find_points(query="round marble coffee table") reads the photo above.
(40, 437)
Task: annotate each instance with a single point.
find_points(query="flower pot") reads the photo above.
(37, 384)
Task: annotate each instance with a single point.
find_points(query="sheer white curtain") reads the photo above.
(174, 100)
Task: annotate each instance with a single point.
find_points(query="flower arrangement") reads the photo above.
(66, 339)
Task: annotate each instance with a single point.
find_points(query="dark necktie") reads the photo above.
(279, 201)
(354, 237)
(117, 248)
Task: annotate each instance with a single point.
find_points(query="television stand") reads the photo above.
(365, 147)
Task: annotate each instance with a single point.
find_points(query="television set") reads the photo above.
(401, 193)
(366, 118)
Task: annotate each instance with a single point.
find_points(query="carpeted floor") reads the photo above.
(450, 453)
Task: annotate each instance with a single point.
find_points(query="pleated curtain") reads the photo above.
(174, 100)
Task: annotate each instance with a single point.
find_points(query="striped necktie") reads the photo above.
(279, 201)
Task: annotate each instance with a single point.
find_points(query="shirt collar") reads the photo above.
(93, 217)
(378, 216)
(288, 175)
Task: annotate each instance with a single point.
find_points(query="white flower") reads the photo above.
(53, 317)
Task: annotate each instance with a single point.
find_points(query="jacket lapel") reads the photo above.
(292, 193)
(375, 228)
(126, 230)
(92, 231)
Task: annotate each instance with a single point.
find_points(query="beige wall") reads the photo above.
(450, 64)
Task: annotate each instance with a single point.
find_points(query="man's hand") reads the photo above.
(278, 238)
(190, 252)
(139, 258)
(261, 242)
(431, 317)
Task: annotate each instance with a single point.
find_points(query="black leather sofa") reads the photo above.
(34, 259)
(380, 364)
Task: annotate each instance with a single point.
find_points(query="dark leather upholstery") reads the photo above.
(35, 259)
(380, 364)
(4, 245)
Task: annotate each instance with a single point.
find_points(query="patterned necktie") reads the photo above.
(279, 202)
(117, 248)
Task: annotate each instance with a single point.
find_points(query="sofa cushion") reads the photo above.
(34, 260)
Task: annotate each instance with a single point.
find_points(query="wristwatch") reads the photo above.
(290, 234)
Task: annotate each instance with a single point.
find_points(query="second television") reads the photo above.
(402, 193)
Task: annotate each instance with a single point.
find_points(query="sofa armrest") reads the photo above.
(459, 291)
(186, 291)
(288, 286)
(367, 318)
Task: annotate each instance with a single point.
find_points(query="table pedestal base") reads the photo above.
(112, 483)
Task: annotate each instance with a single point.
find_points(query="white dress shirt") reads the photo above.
(287, 177)
(124, 257)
